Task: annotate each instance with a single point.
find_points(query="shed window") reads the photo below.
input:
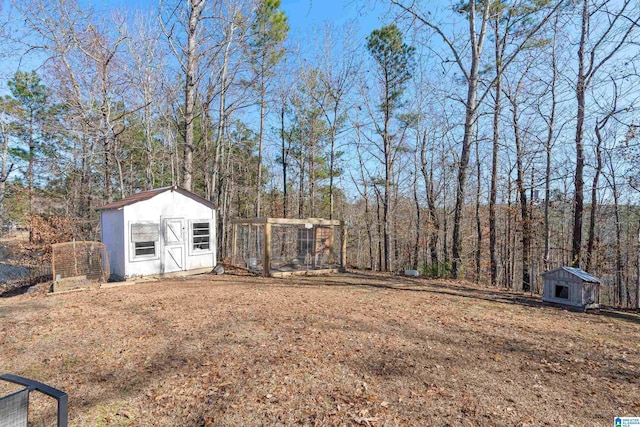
(145, 249)
(144, 236)
(201, 236)
(562, 292)
(142, 232)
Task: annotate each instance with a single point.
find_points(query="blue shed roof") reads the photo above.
(583, 275)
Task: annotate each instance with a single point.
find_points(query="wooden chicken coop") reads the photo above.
(277, 247)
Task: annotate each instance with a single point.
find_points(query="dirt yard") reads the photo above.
(343, 350)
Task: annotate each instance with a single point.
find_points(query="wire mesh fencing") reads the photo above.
(293, 245)
(88, 260)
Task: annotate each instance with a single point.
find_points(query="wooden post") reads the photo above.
(343, 248)
(332, 250)
(75, 258)
(316, 248)
(234, 240)
(266, 261)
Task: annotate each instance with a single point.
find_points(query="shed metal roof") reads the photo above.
(578, 272)
(146, 195)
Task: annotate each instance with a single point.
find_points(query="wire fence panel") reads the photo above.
(297, 246)
(74, 259)
(249, 246)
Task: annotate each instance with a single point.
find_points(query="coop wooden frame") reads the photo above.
(267, 223)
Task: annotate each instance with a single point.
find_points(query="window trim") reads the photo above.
(132, 245)
(151, 244)
(192, 249)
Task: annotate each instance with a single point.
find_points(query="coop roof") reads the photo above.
(286, 221)
(146, 195)
(581, 274)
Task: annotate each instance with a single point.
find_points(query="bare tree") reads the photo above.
(550, 121)
(477, 16)
(337, 79)
(525, 214)
(186, 16)
(268, 32)
(598, 128)
(613, 28)
(234, 30)
(100, 48)
(146, 72)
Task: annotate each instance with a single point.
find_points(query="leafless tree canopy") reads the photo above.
(479, 140)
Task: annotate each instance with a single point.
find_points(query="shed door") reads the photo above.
(174, 245)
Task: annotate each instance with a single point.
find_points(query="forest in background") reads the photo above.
(486, 140)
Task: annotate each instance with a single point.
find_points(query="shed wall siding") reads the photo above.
(575, 291)
(113, 236)
(169, 204)
(582, 292)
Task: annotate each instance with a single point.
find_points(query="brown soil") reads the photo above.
(342, 350)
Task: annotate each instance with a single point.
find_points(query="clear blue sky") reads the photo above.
(302, 14)
(306, 13)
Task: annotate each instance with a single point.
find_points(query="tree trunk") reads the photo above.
(509, 237)
(284, 154)
(469, 121)
(594, 197)
(416, 243)
(445, 219)
(195, 12)
(260, 139)
(524, 207)
(365, 195)
(493, 193)
(216, 192)
(388, 172)
(427, 175)
(548, 149)
(618, 245)
(478, 223)
(149, 180)
(301, 188)
(30, 171)
(381, 232)
(332, 158)
(4, 173)
(312, 176)
(578, 197)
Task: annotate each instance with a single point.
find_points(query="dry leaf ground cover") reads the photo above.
(343, 350)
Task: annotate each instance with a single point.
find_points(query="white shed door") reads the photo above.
(174, 250)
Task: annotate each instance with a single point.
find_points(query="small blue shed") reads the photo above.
(571, 286)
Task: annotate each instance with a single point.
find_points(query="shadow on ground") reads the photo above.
(408, 284)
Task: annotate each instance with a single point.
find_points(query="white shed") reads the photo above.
(571, 286)
(159, 231)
